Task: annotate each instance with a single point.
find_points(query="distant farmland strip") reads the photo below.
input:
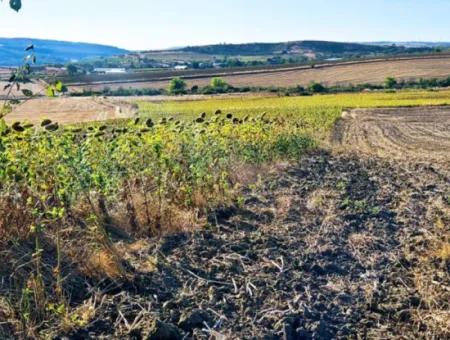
(352, 72)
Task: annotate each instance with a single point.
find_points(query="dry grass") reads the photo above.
(430, 276)
(322, 200)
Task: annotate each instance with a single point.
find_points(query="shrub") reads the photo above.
(316, 88)
(390, 82)
(177, 86)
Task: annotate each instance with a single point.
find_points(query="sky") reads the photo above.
(152, 24)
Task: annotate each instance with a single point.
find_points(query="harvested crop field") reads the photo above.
(420, 133)
(363, 73)
(71, 110)
(337, 246)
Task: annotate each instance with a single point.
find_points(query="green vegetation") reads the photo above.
(323, 49)
(72, 69)
(390, 82)
(317, 88)
(317, 113)
(177, 86)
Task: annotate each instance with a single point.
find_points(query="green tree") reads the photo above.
(177, 86)
(72, 69)
(219, 83)
(316, 88)
(390, 82)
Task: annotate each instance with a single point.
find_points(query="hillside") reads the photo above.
(52, 51)
(320, 48)
(413, 44)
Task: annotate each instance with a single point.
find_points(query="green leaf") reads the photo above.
(15, 4)
(59, 86)
(50, 91)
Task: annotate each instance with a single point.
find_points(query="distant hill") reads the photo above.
(412, 44)
(319, 48)
(52, 51)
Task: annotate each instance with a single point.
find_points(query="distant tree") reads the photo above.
(194, 89)
(218, 85)
(177, 86)
(218, 82)
(390, 82)
(316, 88)
(195, 64)
(72, 69)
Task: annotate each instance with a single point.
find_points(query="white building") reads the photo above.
(106, 70)
(180, 67)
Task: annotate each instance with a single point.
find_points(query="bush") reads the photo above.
(316, 88)
(177, 86)
(390, 83)
(218, 85)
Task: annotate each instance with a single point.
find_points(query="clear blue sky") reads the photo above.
(151, 24)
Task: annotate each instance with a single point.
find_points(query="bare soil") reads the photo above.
(332, 248)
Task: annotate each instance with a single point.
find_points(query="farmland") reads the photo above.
(374, 72)
(71, 110)
(243, 217)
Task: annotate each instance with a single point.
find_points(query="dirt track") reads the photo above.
(420, 134)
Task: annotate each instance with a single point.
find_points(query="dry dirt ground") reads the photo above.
(373, 73)
(347, 244)
(72, 110)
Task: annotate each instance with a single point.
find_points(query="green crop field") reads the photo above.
(318, 113)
